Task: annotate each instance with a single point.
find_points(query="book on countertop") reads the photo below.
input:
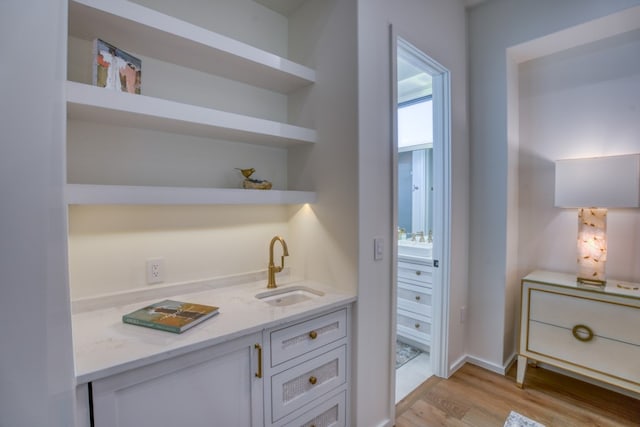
(172, 316)
(115, 69)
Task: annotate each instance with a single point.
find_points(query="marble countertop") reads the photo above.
(105, 346)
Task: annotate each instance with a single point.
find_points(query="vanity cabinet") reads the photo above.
(584, 329)
(415, 285)
(306, 372)
(295, 374)
(215, 386)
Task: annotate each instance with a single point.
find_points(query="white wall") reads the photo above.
(437, 27)
(493, 27)
(322, 35)
(582, 102)
(36, 360)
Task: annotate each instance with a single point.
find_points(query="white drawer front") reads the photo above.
(414, 327)
(418, 323)
(331, 413)
(601, 355)
(605, 319)
(295, 387)
(414, 298)
(415, 272)
(301, 338)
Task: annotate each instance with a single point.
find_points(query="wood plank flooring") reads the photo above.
(476, 397)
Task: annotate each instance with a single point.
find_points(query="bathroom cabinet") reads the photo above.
(415, 285)
(591, 331)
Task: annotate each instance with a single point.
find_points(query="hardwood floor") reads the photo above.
(476, 397)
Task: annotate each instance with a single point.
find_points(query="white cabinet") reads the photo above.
(215, 386)
(415, 282)
(306, 372)
(168, 40)
(295, 374)
(583, 329)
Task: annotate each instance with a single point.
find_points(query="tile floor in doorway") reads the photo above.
(412, 374)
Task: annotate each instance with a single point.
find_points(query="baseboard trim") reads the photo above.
(490, 366)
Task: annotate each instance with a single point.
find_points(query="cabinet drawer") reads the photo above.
(414, 298)
(600, 354)
(606, 319)
(415, 272)
(415, 327)
(414, 321)
(303, 383)
(295, 340)
(331, 413)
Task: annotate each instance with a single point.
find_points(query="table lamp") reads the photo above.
(593, 185)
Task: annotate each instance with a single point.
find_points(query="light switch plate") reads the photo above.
(378, 248)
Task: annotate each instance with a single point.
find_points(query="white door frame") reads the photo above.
(442, 204)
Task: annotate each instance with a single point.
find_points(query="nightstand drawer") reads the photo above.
(415, 272)
(303, 383)
(304, 337)
(605, 319)
(599, 354)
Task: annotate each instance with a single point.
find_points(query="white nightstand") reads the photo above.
(588, 330)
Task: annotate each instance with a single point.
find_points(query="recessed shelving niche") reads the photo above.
(152, 34)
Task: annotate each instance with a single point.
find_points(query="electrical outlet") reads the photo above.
(155, 270)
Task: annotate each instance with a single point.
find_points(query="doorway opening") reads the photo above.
(421, 214)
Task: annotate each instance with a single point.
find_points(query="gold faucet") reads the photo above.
(273, 269)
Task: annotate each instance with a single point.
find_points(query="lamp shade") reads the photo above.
(604, 182)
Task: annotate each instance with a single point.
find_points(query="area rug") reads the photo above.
(404, 353)
(518, 420)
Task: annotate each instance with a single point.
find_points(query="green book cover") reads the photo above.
(169, 315)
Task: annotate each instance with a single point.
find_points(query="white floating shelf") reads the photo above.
(144, 31)
(83, 194)
(92, 103)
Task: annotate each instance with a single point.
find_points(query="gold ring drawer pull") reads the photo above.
(417, 325)
(417, 297)
(313, 335)
(313, 380)
(418, 272)
(579, 332)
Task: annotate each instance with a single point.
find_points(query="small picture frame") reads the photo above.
(115, 69)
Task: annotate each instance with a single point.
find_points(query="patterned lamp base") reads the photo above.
(592, 245)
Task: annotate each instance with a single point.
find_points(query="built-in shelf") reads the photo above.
(92, 103)
(84, 194)
(147, 32)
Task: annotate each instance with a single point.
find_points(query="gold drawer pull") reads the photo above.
(313, 335)
(418, 272)
(579, 332)
(313, 380)
(417, 325)
(259, 348)
(417, 297)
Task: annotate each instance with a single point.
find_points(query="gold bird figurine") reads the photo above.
(246, 172)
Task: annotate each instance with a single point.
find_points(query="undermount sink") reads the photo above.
(281, 297)
(420, 249)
